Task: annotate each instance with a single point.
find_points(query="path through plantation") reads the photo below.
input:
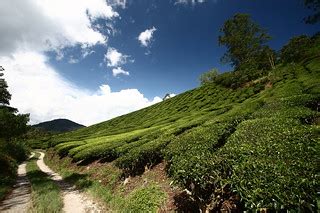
(20, 198)
(19, 201)
(73, 200)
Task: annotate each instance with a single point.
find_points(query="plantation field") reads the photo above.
(258, 145)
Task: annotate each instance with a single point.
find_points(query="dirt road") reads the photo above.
(74, 200)
(20, 198)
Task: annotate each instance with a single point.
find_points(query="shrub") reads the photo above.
(274, 163)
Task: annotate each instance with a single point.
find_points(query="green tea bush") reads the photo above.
(192, 162)
(11, 153)
(147, 154)
(260, 143)
(275, 162)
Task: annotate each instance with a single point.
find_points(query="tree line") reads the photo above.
(248, 52)
(12, 124)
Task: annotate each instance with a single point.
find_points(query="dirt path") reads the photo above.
(20, 198)
(74, 200)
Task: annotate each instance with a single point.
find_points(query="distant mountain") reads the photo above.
(59, 125)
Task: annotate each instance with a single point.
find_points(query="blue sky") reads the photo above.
(184, 44)
(93, 60)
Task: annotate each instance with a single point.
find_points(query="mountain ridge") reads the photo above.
(59, 125)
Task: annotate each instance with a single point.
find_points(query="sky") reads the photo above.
(92, 60)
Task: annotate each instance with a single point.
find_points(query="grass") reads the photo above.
(102, 182)
(11, 154)
(46, 196)
(259, 142)
(144, 199)
(5, 189)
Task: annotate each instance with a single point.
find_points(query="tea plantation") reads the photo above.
(258, 145)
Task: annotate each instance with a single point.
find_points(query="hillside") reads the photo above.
(259, 142)
(59, 125)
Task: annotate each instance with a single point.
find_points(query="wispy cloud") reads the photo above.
(29, 29)
(46, 95)
(72, 60)
(114, 58)
(146, 36)
(186, 2)
(51, 25)
(121, 3)
(117, 71)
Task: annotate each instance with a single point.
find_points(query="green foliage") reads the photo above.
(314, 5)
(12, 125)
(209, 77)
(11, 153)
(12, 148)
(147, 154)
(46, 196)
(58, 126)
(8, 167)
(218, 142)
(296, 49)
(5, 96)
(246, 51)
(268, 156)
(37, 138)
(245, 42)
(145, 199)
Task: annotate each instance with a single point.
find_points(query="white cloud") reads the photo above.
(30, 28)
(114, 58)
(121, 3)
(118, 71)
(44, 94)
(43, 25)
(87, 52)
(72, 60)
(193, 2)
(145, 37)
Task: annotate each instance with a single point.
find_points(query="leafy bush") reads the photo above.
(145, 199)
(147, 154)
(11, 153)
(192, 162)
(257, 142)
(296, 49)
(274, 163)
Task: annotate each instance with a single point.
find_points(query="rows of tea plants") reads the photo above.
(274, 163)
(271, 159)
(259, 143)
(187, 104)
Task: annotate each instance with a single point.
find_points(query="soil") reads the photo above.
(74, 200)
(19, 199)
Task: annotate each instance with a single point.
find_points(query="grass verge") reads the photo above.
(46, 196)
(104, 184)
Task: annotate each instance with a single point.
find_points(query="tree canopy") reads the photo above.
(5, 96)
(295, 49)
(209, 77)
(246, 44)
(11, 124)
(315, 6)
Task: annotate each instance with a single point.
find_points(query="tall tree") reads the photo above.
(5, 96)
(246, 43)
(209, 77)
(296, 49)
(315, 6)
(11, 124)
